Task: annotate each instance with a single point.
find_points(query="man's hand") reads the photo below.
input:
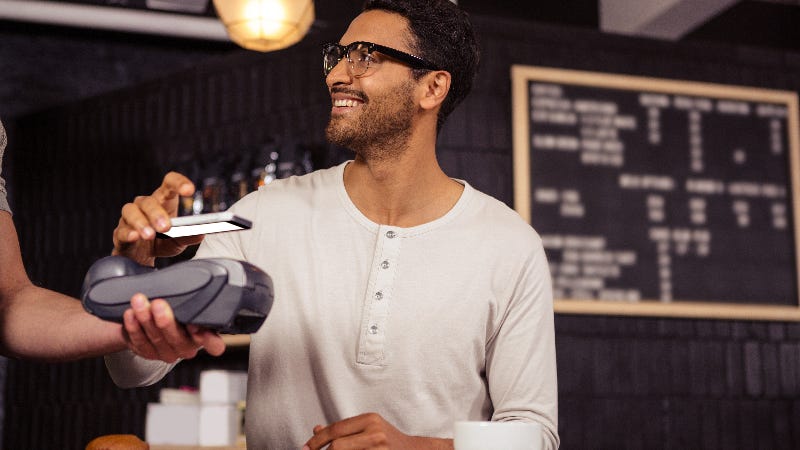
(135, 235)
(369, 431)
(153, 333)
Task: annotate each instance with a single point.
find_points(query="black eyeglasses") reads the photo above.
(359, 57)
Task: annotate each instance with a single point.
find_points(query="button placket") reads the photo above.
(373, 337)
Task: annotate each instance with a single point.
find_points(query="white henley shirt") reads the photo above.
(450, 320)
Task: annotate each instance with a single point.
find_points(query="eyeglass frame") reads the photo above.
(415, 62)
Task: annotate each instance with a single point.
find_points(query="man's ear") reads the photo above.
(436, 85)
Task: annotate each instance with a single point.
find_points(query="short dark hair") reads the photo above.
(443, 35)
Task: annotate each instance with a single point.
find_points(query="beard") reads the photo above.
(381, 129)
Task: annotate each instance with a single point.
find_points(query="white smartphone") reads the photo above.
(206, 224)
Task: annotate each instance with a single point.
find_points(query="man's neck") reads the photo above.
(405, 191)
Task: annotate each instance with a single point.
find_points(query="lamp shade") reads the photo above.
(266, 25)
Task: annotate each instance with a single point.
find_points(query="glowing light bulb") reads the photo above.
(265, 17)
(266, 25)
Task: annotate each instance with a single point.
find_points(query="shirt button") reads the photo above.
(385, 265)
(391, 234)
(378, 295)
(373, 329)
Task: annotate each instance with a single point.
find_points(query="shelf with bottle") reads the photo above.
(224, 179)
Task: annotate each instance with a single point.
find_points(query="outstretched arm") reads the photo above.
(38, 323)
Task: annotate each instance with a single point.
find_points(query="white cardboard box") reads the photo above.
(172, 424)
(206, 425)
(222, 387)
(219, 424)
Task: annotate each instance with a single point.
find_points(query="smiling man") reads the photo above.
(405, 299)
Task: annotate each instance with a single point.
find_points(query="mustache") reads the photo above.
(351, 92)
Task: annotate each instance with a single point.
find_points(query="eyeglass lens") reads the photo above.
(332, 55)
(358, 58)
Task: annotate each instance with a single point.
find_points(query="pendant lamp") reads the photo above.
(265, 25)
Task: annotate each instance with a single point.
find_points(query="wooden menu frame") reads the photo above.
(521, 76)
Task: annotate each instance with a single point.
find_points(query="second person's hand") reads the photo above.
(153, 333)
(135, 235)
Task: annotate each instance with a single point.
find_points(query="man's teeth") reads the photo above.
(347, 103)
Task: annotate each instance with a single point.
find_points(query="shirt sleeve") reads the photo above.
(521, 358)
(3, 199)
(3, 194)
(128, 370)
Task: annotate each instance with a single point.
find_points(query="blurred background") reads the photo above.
(100, 101)
(43, 64)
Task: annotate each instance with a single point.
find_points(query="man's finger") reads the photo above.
(124, 237)
(209, 340)
(125, 234)
(173, 185)
(134, 217)
(174, 334)
(335, 431)
(163, 202)
(156, 212)
(136, 338)
(143, 314)
(356, 441)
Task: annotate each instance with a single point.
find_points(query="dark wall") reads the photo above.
(623, 382)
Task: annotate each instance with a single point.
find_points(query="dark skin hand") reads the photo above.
(150, 327)
(153, 333)
(370, 431)
(135, 235)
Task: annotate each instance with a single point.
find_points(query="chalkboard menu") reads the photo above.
(660, 197)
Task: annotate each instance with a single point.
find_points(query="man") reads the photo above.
(404, 300)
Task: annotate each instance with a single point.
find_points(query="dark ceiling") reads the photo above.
(45, 65)
(757, 23)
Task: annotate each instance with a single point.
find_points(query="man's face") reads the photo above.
(373, 113)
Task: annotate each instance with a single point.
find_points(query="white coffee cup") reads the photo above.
(470, 435)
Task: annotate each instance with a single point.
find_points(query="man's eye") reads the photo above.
(366, 57)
